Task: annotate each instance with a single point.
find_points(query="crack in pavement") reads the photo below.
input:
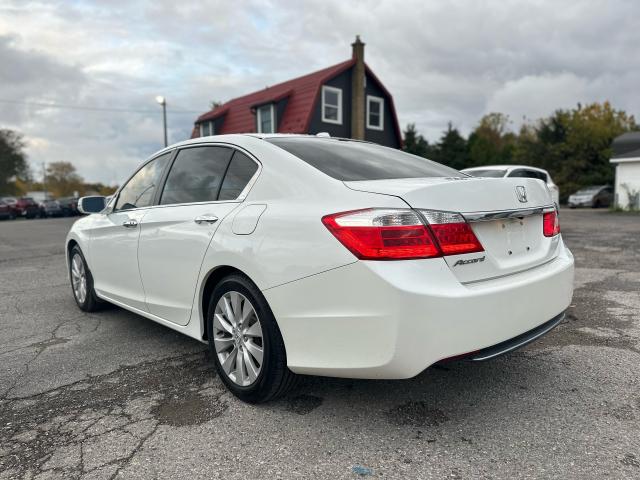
(104, 421)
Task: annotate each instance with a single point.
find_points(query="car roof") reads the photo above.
(239, 137)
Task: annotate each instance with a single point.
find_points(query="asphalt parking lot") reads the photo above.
(112, 395)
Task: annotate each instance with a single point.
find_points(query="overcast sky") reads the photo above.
(442, 61)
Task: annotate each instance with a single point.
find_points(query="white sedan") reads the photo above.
(295, 254)
(516, 171)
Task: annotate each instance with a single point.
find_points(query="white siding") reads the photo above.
(627, 173)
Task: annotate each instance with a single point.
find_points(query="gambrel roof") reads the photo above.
(302, 95)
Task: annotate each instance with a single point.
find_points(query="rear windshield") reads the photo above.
(352, 161)
(487, 173)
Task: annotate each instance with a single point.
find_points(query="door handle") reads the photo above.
(130, 224)
(210, 219)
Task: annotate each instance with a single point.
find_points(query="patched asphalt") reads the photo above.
(112, 395)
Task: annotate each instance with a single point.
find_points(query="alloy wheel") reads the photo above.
(237, 338)
(79, 278)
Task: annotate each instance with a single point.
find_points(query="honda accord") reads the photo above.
(296, 254)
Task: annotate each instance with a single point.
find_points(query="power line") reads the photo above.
(95, 109)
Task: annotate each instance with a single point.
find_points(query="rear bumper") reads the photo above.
(516, 342)
(394, 319)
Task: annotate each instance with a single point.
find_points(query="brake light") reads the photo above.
(550, 224)
(382, 234)
(395, 234)
(453, 233)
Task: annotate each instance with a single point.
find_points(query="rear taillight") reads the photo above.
(550, 224)
(380, 234)
(401, 234)
(453, 233)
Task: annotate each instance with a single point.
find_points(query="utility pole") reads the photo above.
(44, 180)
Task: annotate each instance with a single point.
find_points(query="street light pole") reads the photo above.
(163, 101)
(44, 180)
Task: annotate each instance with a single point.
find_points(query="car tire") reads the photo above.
(274, 378)
(87, 302)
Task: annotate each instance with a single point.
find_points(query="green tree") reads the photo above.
(492, 142)
(98, 188)
(574, 145)
(414, 142)
(452, 149)
(13, 162)
(62, 179)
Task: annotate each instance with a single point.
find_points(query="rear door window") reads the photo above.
(351, 161)
(240, 172)
(196, 175)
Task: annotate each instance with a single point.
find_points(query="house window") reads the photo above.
(331, 105)
(266, 119)
(206, 129)
(375, 113)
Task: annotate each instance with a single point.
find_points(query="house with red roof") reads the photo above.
(345, 100)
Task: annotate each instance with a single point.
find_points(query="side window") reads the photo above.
(196, 175)
(240, 171)
(375, 113)
(331, 105)
(206, 129)
(266, 119)
(140, 189)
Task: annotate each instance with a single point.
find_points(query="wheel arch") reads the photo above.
(209, 283)
(72, 242)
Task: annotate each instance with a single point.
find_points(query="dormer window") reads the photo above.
(375, 112)
(331, 105)
(206, 129)
(266, 118)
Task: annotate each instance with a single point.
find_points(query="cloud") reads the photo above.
(29, 74)
(443, 61)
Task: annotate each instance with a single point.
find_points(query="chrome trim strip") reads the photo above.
(109, 209)
(503, 214)
(524, 342)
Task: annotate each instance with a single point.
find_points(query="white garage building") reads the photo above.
(626, 158)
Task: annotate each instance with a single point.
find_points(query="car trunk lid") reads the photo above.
(505, 214)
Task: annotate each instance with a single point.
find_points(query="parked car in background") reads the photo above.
(69, 206)
(10, 203)
(50, 208)
(361, 261)
(594, 197)
(22, 207)
(5, 211)
(516, 171)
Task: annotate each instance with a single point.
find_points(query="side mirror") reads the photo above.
(91, 204)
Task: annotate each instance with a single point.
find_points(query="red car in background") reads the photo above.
(22, 207)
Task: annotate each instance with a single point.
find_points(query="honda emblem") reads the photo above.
(521, 193)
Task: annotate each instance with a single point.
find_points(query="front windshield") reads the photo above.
(589, 190)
